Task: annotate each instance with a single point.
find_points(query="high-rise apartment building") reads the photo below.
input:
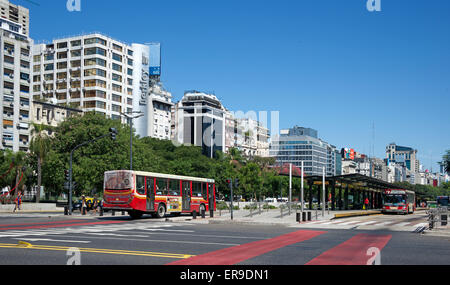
(90, 72)
(199, 119)
(15, 60)
(17, 14)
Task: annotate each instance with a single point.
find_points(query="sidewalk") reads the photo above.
(271, 217)
(32, 208)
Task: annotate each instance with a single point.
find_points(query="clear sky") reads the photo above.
(326, 64)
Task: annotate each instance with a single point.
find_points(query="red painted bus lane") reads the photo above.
(356, 251)
(236, 254)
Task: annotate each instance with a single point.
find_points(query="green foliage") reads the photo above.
(90, 162)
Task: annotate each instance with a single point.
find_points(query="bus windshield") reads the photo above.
(394, 199)
(119, 180)
(442, 201)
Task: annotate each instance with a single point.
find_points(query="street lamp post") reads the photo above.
(112, 133)
(130, 117)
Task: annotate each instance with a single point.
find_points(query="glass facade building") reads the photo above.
(316, 154)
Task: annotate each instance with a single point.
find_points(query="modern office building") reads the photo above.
(301, 144)
(403, 155)
(89, 72)
(15, 59)
(199, 119)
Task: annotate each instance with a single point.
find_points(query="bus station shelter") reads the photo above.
(347, 192)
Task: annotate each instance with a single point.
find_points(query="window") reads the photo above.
(116, 108)
(75, 43)
(75, 53)
(95, 72)
(117, 47)
(117, 98)
(116, 77)
(197, 189)
(117, 67)
(174, 188)
(62, 45)
(95, 61)
(95, 50)
(95, 41)
(62, 65)
(140, 185)
(117, 57)
(161, 187)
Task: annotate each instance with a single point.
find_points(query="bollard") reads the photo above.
(298, 217)
(194, 215)
(66, 211)
(113, 213)
(443, 220)
(203, 213)
(211, 213)
(304, 217)
(101, 212)
(309, 216)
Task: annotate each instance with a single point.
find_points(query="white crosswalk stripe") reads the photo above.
(91, 229)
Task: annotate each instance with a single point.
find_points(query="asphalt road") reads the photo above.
(60, 240)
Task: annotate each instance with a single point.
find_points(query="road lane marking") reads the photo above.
(237, 254)
(52, 240)
(152, 240)
(97, 250)
(365, 223)
(352, 251)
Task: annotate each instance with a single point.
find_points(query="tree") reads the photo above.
(446, 161)
(39, 146)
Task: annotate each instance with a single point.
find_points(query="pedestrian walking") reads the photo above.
(95, 205)
(83, 205)
(366, 203)
(18, 202)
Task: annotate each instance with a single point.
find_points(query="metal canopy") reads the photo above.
(357, 180)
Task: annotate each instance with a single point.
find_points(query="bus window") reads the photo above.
(161, 187)
(196, 189)
(174, 189)
(140, 185)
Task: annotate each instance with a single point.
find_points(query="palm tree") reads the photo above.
(39, 146)
(446, 161)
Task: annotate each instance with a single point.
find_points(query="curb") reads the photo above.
(248, 223)
(355, 214)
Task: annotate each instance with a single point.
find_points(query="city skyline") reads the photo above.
(385, 68)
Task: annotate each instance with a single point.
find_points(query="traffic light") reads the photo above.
(113, 132)
(67, 175)
(236, 183)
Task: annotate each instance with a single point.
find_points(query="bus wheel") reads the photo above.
(161, 213)
(135, 215)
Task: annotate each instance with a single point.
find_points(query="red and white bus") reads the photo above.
(141, 193)
(399, 201)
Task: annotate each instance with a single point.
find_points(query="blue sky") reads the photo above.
(326, 64)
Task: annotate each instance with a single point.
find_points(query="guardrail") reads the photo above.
(438, 216)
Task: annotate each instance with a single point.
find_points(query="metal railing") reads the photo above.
(437, 216)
